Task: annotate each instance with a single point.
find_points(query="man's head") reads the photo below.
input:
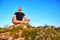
(19, 9)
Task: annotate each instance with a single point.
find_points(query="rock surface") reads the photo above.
(28, 32)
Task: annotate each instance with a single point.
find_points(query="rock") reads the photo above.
(27, 32)
(36, 38)
(11, 38)
(20, 38)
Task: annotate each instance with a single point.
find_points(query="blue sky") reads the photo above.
(40, 12)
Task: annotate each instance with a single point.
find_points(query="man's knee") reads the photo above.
(15, 22)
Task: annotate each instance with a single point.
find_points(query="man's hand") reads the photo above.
(25, 19)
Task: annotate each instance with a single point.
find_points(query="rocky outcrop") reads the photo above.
(28, 32)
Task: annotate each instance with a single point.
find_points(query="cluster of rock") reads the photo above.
(27, 32)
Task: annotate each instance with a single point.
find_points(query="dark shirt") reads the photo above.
(19, 16)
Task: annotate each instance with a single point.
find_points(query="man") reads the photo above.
(19, 17)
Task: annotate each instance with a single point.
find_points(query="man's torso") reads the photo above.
(19, 16)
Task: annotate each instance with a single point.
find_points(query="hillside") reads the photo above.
(28, 32)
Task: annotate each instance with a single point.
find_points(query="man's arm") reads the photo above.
(15, 21)
(14, 17)
(25, 18)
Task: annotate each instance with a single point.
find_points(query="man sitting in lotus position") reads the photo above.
(19, 17)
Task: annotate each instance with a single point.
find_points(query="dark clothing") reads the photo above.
(19, 16)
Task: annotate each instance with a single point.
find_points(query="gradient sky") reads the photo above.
(40, 12)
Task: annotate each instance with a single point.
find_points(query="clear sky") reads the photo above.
(40, 12)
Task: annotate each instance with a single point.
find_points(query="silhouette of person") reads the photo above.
(19, 17)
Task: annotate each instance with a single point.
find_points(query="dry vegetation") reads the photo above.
(28, 32)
